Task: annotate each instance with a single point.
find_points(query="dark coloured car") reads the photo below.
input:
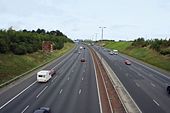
(52, 72)
(127, 62)
(168, 89)
(83, 60)
(42, 110)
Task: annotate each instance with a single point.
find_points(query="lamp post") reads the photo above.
(102, 32)
(96, 36)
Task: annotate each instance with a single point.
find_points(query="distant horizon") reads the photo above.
(166, 38)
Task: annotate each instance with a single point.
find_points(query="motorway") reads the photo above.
(72, 89)
(146, 86)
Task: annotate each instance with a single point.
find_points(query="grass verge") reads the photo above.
(145, 54)
(13, 65)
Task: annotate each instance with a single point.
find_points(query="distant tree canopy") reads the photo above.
(140, 42)
(24, 41)
(159, 45)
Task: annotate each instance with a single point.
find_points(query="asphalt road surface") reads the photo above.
(146, 86)
(72, 89)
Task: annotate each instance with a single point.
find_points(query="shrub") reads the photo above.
(165, 52)
(18, 49)
(3, 46)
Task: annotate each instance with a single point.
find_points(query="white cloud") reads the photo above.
(126, 19)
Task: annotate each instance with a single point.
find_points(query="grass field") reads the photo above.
(12, 65)
(144, 54)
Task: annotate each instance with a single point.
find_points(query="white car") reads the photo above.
(81, 47)
(111, 53)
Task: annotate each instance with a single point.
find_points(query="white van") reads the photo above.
(81, 47)
(115, 52)
(43, 76)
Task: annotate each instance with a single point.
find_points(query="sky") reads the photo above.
(81, 19)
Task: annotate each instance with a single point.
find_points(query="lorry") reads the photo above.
(45, 75)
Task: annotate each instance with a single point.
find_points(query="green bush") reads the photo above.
(155, 46)
(19, 50)
(140, 42)
(3, 46)
(165, 52)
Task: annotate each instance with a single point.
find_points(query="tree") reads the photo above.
(3, 46)
(140, 42)
(18, 49)
(25, 30)
(40, 31)
(24, 41)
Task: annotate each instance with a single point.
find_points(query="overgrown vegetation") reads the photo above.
(23, 41)
(159, 45)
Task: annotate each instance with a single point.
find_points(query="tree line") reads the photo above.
(160, 45)
(24, 41)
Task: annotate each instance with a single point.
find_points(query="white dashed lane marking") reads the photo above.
(25, 109)
(54, 78)
(137, 85)
(61, 91)
(41, 92)
(153, 85)
(17, 95)
(79, 91)
(156, 102)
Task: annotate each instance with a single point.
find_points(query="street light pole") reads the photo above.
(96, 36)
(102, 32)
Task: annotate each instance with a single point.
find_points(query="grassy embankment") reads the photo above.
(12, 65)
(144, 54)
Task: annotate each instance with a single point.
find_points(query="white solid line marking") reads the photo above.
(79, 91)
(61, 91)
(104, 82)
(153, 85)
(17, 95)
(25, 109)
(68, 78)
(41, 92)
(156, 102)
(101, 110)
(82, 78)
